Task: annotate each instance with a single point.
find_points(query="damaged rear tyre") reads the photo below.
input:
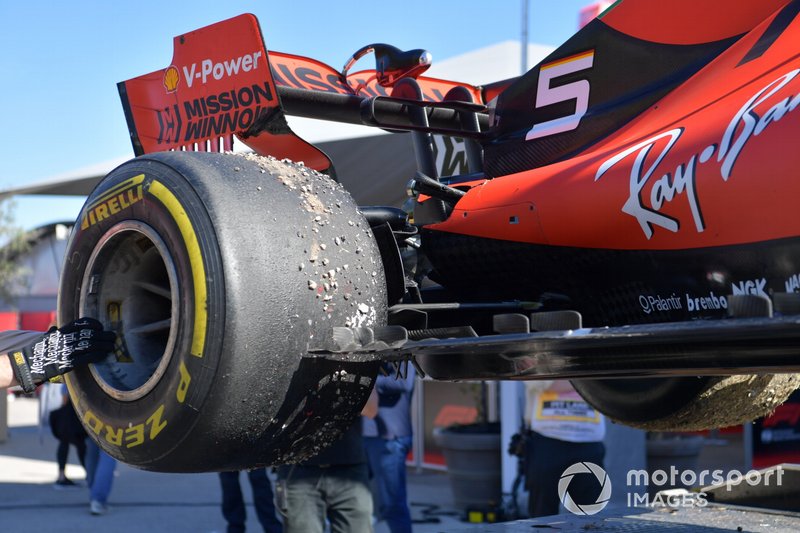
(688, 404)
(217, 271)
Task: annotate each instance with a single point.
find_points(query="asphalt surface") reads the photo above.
(146, 501)
(153, 502)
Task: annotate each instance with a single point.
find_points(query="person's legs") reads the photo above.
(346, 489)
(232, 501)
(305, 508)
(76, 434)
(547, 459)
(57, 422)
(62, 454)
(584, 488)
(543, 471)
(80, 447)
(390, 473)
(374, 447)
(263, 500)
(61, 457)
(92, 456)
(102, 482)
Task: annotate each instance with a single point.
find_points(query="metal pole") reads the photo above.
(418, 422)
(747, 437)
(524, 39)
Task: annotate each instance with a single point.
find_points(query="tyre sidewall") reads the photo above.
(148, 428)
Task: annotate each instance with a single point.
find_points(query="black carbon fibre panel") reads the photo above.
(612, 287)
(627, 76)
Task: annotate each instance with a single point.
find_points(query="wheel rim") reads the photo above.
(130, 285)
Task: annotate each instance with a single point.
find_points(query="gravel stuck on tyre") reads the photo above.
(691, 403)
(217, 271)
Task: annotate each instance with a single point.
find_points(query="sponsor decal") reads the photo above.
(209, 69)
(128, 436)
(215, 115)
(288, 73)
(303, 77)
(450, 154)
(651, 303)
(751, 286)
(171, 79)
(117, 199)
(793, 283)
(645, 158)
(711, 302)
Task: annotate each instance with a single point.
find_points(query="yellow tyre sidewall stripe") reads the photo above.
(175, 208)
(130, 435)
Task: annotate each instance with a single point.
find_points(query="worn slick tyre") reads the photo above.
(217, 271)
(688, 404)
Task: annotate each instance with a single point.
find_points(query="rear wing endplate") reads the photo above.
(218, 84)
(222, 82)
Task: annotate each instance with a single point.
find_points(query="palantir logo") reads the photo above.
(584, 508)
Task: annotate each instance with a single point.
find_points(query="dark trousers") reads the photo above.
(233, 508)
(62, 453)
(68, 430)
(546, 460)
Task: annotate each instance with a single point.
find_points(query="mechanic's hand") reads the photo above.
(80, 342)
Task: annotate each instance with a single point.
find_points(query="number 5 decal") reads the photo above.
(576, 90)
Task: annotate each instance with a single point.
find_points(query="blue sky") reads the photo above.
(61, 60)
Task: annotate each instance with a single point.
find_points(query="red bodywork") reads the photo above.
(710, 164)
(651, 158)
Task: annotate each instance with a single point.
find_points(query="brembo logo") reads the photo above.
(645, 160)
(208, 68)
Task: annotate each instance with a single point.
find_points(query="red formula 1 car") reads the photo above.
(628, 213)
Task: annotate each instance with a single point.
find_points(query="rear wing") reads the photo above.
(210, 93)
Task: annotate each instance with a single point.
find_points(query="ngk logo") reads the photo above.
(209, 68)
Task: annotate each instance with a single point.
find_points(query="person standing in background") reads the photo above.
(100, 469)
(332, 486)
(233, 508)
(387, 440)
(564, 430)
(67, 429)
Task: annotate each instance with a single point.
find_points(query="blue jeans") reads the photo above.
(339, 494)
(387, 462)
(99, 472)
(233, 508)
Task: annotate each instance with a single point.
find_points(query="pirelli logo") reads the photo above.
(117, 199)
(19, 359)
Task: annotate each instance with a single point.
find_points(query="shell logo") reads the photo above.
(171, 78)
